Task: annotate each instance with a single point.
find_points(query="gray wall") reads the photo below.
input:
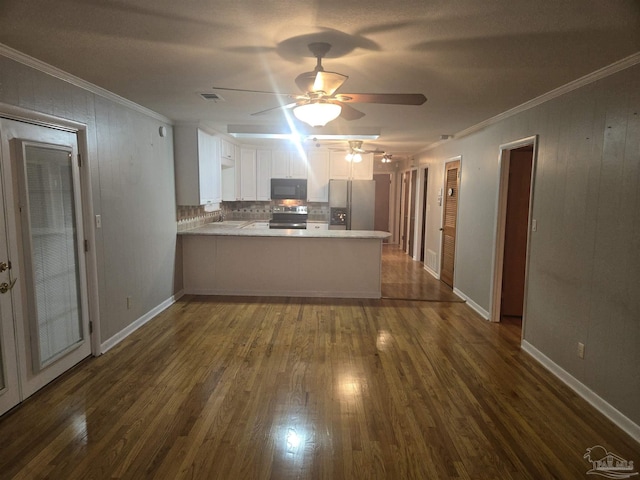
(132, 181)
(584, 270)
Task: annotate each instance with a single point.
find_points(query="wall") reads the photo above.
(584, 260)
(132, 181)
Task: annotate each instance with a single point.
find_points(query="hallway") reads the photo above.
(406, 279)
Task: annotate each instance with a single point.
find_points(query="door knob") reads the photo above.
(5, 287)
(5, 266)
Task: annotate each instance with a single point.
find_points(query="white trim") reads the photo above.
(284, 293)
(478, 309)
(504, 164)
(43, 67)
(592, 77)
(125, 332)
(585, 392)
(13, 112)
(433, 273)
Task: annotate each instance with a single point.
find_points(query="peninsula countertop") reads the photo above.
(241, 228)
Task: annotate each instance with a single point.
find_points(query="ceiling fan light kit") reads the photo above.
(320, 103)
(353, 157)
(317, 114)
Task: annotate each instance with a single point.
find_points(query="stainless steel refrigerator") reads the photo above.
(352, 204)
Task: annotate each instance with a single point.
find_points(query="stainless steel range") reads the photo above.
(288, 216)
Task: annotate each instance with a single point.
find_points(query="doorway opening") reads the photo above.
(517, 167)
(423, 224)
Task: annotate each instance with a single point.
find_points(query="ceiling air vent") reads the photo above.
(212, 96)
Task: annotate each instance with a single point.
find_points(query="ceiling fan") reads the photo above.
(320, 103)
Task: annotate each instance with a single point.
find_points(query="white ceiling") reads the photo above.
(472, 59)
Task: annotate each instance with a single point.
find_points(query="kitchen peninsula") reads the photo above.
(231, 258)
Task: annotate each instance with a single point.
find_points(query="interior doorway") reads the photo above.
(450, 220)
(517, 165)
(44, 313)
(404, 210)
(423, 223)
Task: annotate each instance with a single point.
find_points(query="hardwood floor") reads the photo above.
(406, 279)
(258, 388)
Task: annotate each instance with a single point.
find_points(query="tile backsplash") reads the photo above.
(195, 216)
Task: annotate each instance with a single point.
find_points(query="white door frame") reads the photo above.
(12, 112)
(501, 216)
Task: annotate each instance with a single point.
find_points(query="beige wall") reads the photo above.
(584, 271)
(133, 190)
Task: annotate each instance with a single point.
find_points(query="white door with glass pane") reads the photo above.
(43, 295)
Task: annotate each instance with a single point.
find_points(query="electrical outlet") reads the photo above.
(129, 302)
(580, 349)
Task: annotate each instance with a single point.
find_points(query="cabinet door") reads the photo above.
(263, 171)
(339, 167)
(206, 163)
(318, 181)
(216, 169)
(248, 174)
(363, 170)
(298, 164)
(280, 160)
(229, 191)
(227, 150)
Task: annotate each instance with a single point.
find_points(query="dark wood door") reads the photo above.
(449, 221)
(516, 232)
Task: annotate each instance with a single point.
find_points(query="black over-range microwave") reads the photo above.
(288, 189)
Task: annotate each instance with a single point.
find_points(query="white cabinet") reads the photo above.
(318, 175)
(227, 150)
(263, 172)
(197, 166)
(247, 174)
(341, 169)
(363, 170)
(288, 164)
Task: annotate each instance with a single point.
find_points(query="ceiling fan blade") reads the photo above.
(348, 112)
(386, 98)
(279, 107)
(250, 91)
(328, 82)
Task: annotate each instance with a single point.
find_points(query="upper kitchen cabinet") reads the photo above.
(227, 150)
(263, 172)
(197, 166)
(248, 181)
(341, 169)
(288, 164)
(363, 170)
(318, 181)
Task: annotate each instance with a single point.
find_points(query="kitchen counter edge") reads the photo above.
(216, 229)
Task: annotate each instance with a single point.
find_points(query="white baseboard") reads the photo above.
(481, 311)
(433, 273)
(124, 333)
(585, 392)
(284, 293)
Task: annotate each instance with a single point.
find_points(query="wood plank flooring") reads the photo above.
(284, 388)
(406, 279)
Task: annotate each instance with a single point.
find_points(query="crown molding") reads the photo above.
(43, 67)
(592, 77)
